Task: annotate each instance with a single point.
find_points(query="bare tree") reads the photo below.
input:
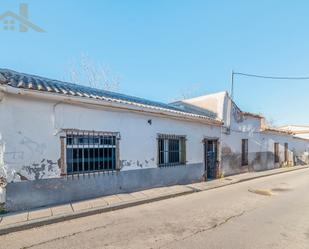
(270, 122)
(86, 71)
(190, 91)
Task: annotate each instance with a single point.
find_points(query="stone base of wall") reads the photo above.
(32, 194)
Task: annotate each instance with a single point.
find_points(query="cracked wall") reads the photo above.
(25, 151)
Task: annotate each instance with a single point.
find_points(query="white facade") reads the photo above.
(31, 129)
(239, 125)
(33, 125)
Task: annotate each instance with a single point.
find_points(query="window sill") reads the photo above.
(171, 165)
(91, 172)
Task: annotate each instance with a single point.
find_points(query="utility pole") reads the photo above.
(232, 85)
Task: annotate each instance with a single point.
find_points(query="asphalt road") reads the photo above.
(270, 212)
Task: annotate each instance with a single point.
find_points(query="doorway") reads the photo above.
(211, 158)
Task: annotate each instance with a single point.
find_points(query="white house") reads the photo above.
(60, 141)
(247, 144)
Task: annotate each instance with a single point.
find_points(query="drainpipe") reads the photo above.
(57, 129)
(228, 114)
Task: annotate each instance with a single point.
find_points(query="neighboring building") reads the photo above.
(301, 131)
(60, 141)
(247, 144)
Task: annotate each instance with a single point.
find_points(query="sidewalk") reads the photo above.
(48, 215)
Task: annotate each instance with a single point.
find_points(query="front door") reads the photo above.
(210, 147)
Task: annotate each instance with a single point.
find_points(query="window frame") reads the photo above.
(95, 146)
(166, 138)
(244, 152)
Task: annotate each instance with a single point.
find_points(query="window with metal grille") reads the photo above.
(244, 152)
(172, 150)
(276, 150)
(91, 151)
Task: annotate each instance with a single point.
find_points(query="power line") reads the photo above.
(271, 77)
(263, 77)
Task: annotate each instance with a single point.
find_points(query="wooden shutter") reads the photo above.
(183, 150)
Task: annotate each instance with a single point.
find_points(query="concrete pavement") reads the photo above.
(44, 216)
(228, 217)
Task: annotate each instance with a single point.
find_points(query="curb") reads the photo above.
(247, 179)
(64, 217)
(274, 173)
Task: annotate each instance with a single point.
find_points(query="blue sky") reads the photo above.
(163, 49)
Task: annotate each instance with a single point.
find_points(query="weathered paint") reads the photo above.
(31, 127)
(238, 126)
(32, 142)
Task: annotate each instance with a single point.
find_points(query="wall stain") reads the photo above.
(13, 157)
(137, 163)
(32, 145)
(38, 170)
(22, 177)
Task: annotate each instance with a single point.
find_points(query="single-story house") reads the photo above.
(247, 143)
(61, 141)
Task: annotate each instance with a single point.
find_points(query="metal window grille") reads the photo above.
(89, 151)
(276, 150)
(244, 152)
(172, 150)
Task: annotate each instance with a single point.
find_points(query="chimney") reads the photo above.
(23, 12)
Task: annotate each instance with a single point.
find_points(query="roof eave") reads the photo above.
(277, 131)
(110, 103)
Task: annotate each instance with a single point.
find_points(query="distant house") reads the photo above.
(61, 141)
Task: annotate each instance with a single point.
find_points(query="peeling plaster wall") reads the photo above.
(27, 139)
(30, 130)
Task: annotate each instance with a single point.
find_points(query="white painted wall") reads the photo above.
(238, 126)
(259, 143)
(211, 102)
(30, 138)
(30, 135)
